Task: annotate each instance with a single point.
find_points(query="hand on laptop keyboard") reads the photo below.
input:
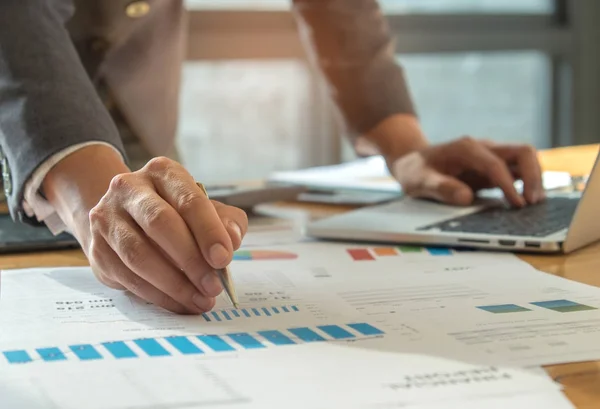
(453, 172)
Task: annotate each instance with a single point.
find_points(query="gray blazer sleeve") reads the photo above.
(350, 42)
(47, 101)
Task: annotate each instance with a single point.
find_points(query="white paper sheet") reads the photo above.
(315, 376)
(394, 314)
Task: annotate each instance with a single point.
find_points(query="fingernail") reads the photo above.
(202, 302)
(218, 255)
(236, 228)
(212, 284)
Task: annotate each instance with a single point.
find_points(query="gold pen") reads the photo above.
(224, 273)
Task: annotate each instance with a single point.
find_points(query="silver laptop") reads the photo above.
(564, 222)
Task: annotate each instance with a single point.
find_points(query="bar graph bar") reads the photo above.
(51, 354)
(119, 350)
(17, 357)
(563, 306)
(246, 340)
(306, 334)
(184, 345)
(276, 337)
(385, 251)
(85, 352)
(336, 331)
(151, 347)
(366, 329)
(439, 251)
(376, 253)
(503, 308)
(361, 255)
(216, 343)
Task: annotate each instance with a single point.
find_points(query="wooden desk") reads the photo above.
(581, 381)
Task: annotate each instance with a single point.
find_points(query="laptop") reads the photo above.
(563, 223)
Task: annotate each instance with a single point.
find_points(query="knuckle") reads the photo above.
(132, 251)
(159, 164)
(98, 218)
(188, 201)
(120, 182)
(155, 215)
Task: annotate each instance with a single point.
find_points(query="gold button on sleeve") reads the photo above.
(137, 9)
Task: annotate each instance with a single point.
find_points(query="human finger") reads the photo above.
(528, 168)
(177, 187)
(140, 256)
(110, 270)
(165, 227)
(235, 221)
(482, 159)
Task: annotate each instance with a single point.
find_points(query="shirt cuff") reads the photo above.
(34, 204)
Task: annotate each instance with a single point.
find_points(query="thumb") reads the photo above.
(447, 189)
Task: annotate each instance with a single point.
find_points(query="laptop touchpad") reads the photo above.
(414, 213)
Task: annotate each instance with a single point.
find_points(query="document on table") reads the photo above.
(317, 375)
(480, 307)
(311, 315)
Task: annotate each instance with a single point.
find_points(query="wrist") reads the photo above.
(397, 136)
(77, 183)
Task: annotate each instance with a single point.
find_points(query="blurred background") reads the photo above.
(510, 70)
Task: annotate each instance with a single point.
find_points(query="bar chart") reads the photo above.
(256, 255)
(242, 313)
(562, 306)
(191, 345)
(375, 253)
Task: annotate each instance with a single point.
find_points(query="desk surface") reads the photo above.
(581, 381)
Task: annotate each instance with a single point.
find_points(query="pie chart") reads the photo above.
(256, 255)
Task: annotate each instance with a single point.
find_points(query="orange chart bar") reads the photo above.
(385, 251)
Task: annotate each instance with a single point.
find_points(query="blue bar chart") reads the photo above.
(192, 344)
(241, 313)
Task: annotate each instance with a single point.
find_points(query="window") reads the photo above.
(467, 6)
(501, 69)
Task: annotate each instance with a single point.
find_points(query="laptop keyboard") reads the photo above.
(541, 220)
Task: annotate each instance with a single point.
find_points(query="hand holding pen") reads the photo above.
(157, 234)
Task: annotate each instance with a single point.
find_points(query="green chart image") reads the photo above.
(503, 308)
(563, 306)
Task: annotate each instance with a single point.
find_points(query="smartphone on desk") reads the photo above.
(21, 238)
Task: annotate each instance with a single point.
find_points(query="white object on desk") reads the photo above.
(371, 174)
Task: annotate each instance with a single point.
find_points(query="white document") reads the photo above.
(320, 325)
(546, 400)
(477, 307)
(315, 376)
